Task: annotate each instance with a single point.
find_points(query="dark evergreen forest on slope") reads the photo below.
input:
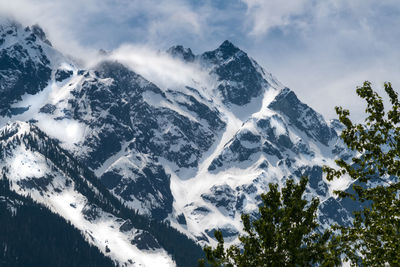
(183, 250)
(31, 235)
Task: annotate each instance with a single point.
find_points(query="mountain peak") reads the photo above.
(26, 65)
(227, 48)
(39, 32)
(181, 52)
(309, 121)
(6, 22)
(222, 53)
(227, 45)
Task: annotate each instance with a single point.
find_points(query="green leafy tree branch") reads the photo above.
(374, 237)
(284, 235)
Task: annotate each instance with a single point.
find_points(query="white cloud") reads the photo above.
(160, 68)
(329, 47)
(321, 49)
(264, 15)
(59, 19)
(77, 26)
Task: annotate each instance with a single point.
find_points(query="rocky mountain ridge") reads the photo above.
(195, 156)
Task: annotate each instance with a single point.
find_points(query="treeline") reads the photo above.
(184, 251)
(31, 235)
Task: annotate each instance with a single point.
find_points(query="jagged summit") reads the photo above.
(25, 64)
(103, 52)
(227, 48)
(225, 51)
(39, 32)
(7, 22)
(241, 78)
(302, 116)
(181, 52)
(11, 27)
(194, 155)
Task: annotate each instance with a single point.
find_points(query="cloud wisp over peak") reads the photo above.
(320, 49)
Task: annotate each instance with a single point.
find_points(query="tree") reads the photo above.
(284, 235)
(374, 237)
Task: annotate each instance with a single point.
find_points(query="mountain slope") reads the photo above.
(25, 63)
(47, 238)
(36, 166)
(188, 157)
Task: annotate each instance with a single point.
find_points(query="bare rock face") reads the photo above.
(193, 157)
(239, 77)
(24, 66)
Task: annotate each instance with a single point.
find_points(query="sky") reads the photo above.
(320, 49)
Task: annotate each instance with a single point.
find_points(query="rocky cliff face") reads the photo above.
(24, 66)
(196, 157)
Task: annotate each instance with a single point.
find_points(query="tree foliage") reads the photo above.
(284, 235)
(374, 237)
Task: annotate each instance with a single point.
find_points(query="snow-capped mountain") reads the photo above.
(94, 144)
(36, 166)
